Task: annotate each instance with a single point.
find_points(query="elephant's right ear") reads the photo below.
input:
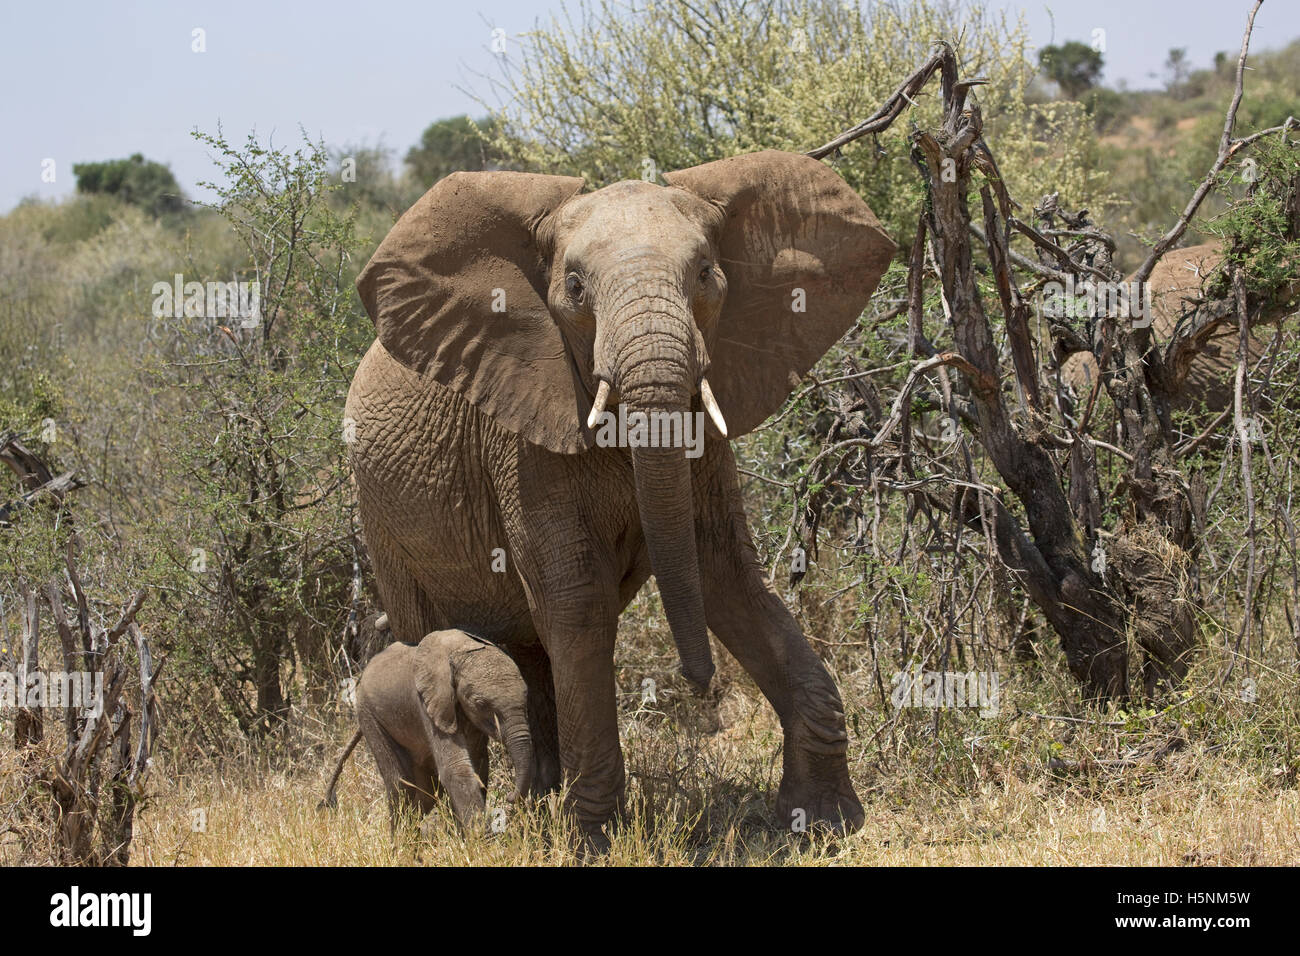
(457, 292)
(433, 682)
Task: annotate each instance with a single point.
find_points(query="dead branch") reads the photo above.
(1228, 147)
(942, 60)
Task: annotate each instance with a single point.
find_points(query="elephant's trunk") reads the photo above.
(519, 745)
(656, 358)
(663, 490)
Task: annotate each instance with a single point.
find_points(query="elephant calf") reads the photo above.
(427, 711)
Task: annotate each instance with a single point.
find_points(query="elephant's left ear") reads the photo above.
(802, 254)
(433, 682)
(457, 292)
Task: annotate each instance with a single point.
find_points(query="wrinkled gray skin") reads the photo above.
(427, 713)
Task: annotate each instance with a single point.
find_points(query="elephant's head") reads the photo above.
(543, 306)
(458, 676)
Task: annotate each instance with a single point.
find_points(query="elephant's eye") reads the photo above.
(573, 285)
(706, 272)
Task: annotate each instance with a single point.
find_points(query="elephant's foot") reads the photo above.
(815, 787)
(593, 842)
(593, 831)
(595, 815)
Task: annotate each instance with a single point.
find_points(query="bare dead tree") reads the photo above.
(99, 751)
(1095, 588)
(34, 476)
(29, 726)
(94, 783)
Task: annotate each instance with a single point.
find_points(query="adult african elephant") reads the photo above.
(1177, 280)
(511, 310)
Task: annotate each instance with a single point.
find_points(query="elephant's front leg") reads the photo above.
(756, 627)
(582, 666)
(460, 778)
(571, 583)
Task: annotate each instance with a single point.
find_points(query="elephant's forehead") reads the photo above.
(634, 211)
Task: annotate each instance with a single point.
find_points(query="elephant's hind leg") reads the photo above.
(396, 768)
(423, 789)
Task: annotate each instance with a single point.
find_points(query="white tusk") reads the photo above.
(711, 406)
(598, 407)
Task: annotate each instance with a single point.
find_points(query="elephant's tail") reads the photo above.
(331, 800)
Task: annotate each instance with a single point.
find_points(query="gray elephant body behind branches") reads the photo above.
(426, 713)
(515, 314)
(1176, 283)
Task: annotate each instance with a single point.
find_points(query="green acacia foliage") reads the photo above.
(1261, 228)
(1075, 67)
(451, 144)
(611, 92)
(256, 517)
(135, 180)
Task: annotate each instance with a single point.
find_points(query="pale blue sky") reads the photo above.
(98, 79)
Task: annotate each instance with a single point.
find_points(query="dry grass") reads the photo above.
(1218, 820)
(1210, 780)
(1209, 783)
(1005, 821)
